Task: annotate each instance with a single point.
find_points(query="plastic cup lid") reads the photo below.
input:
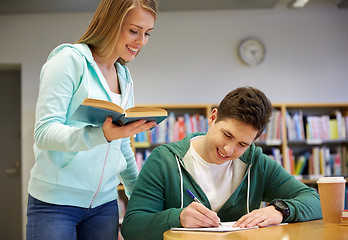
(331, 180)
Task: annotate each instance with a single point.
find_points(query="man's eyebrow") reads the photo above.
(231, 135)
(140, 26)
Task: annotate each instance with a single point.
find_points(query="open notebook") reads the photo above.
(224, 227)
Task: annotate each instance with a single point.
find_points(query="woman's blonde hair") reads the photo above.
(105, 27)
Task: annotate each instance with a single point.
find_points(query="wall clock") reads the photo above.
(251, 51)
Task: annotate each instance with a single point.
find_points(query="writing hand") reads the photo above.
(261, 217)
(113, 132)
(197, 215)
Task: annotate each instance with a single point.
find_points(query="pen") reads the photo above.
(194, 197)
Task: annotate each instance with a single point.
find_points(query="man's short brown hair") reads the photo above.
(248, 105)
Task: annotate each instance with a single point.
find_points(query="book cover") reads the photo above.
(181, 127)
(95, 111)
(333, 129)
(277, 155)
(289, 126)
(301, 164)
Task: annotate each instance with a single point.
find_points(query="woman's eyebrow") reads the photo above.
(140, 26)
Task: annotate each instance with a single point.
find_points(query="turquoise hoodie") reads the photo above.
(160, 193)
(74, 163)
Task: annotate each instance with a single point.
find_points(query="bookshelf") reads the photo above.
(321, 140)
(296, 130)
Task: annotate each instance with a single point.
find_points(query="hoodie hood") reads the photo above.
(180, 149)
(81, 48)
(124, 77)
(84, 51)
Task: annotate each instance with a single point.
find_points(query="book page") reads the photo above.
(224, 227)
(145, 112)
(102, 104)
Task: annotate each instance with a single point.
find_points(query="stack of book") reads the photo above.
(344, 217)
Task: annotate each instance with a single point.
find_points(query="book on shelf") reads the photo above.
(299, 128)
(140, 157)
(300, 164)
(171, 123)
(181, 129)
(276, 155)
(295, 126)
(346, 125)
(273, 129)
(289, 161)
(290, 126)
(95, 111)
(333, 129)
(341, 126)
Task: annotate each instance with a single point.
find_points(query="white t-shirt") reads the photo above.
(116, 98)
(215, 180)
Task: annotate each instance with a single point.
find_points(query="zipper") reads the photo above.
(101, 177)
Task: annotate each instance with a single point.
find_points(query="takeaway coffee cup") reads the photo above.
(331, 192)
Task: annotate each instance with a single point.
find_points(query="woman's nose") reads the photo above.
(141, 40)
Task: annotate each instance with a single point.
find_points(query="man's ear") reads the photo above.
(213, 117)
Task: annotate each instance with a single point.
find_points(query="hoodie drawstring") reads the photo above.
(248, 190)
(181, 184)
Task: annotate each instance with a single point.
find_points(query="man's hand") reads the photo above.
(261, 217)
(197, 215)
(113, 132)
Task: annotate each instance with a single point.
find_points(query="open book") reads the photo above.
(95, 111)
(224, 227)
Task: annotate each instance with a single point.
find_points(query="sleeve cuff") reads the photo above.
(174, 218)
(95, 136)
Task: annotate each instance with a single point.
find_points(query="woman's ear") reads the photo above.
(213, 117)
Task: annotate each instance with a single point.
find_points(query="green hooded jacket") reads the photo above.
(157, 199)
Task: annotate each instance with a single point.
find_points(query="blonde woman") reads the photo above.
(72, 186)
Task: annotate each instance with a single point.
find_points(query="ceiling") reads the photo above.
(68, 6)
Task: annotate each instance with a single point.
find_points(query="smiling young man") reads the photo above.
(224, 170)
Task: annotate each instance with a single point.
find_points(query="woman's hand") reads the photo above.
(261, 217)
(113, 132)
(197, 215)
